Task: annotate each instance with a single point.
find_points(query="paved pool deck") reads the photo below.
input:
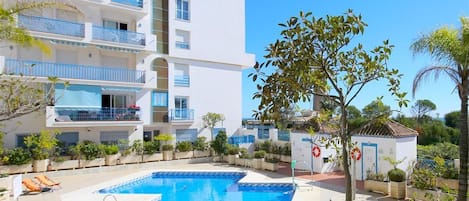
(81, 184)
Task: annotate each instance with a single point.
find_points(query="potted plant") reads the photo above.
(267, 147)
(132, 154)
(201, 147)
(241, 159)
(92, 155)
(423, 181)
(184, 150)
(258, 159)
(167, 148)
(111, 154)
(233, 152)
(168, 152)
(41, 145)
(398, 179)
(376, 183)
(270, 164)
(16, 160)
(151, 151)
(286, 153)
(219, 145)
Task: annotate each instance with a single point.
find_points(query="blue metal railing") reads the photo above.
(181, 114)
(182, 45)
(182, 81)
(120, 36)
(136, 3)
(54, 26)
(73, 71)
(283, 135)
(96, 114)
(243, 139)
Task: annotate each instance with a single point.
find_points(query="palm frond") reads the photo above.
(434, 71)
(442, 45)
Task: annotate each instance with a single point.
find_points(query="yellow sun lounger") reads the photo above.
(46, 181)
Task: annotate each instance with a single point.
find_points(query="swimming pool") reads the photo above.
(207, 186)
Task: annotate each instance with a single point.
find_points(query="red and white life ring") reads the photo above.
(316, 151)
(356, 154)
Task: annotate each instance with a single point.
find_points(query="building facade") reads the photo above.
(137, 68)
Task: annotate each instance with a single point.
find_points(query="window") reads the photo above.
(160, 99)
(114, 25)
(182, 9)
(113, 101)
(182, 39)
(180, 104)
(186, 135)
(181, 75)
(20, 140)
(113, 137)
(67, 139)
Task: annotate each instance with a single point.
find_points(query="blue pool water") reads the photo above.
(206, 186)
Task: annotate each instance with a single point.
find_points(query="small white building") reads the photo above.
(379, 140)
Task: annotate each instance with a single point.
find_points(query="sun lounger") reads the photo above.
(46, 181)
(32, 187)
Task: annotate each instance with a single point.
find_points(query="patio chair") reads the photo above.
(32, 187)
(46, 181)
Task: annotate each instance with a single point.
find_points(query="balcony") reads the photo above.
(135, 3)
(73, 71)
(181, 115)
(182, 45)
(119, 36)
(53, 26)
(182, 81)
(96, 114)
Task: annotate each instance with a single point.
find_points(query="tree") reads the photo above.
(450, 47)
(422, 108)
(376, 109)
(22, 95)
(452, 119)
(353, 112)
(315, 56)
(211, 119)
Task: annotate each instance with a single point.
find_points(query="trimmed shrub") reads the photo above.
(396, 175)
(16, 156)
(168, 147)
(111, 149)
(184, 146)
(233, 150)
(151, 147)
(259, 154)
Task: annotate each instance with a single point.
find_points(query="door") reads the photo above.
(180, 111)
(369, 159)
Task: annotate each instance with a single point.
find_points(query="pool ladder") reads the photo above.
(109, 195)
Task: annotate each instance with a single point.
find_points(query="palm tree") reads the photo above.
(450, 47)
(9, 31)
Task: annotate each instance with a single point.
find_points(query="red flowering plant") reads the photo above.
(134, 107)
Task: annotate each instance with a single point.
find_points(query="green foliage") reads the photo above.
(374, 176)
(165, 138)
(41, 145)
(422, 108)
(233, 150)
(137, 147)
(266, 146)
(91, 150)
(243, 153)
(259, 154)
(445, 150)
(376, 109)
(110, 149)
(353, 112)
(151, 147)
(184, 146)
(168, 147)
(16, 156)
(286, 149)
(272, 160)
(423, 178)
(444, 170)
(200, 144)
(220, 143)
(396, 175)
(452, 119)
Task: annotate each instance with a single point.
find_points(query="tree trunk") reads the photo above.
(463, 143)
(348, 176)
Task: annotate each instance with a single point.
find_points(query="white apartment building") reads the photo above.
(137, 68)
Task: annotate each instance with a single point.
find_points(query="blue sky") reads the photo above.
(400, 21)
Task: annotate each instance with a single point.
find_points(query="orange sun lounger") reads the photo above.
(46, 181)
(31, 186)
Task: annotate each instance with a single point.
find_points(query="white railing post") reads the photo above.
(88, 32)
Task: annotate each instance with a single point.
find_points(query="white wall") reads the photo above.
(301, 152)
(406, 148)
(217, 32)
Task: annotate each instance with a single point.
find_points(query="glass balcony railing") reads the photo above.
(54, 26)
(182, 45)
(119, 36)
(182, 81)
(136, 3)
(73, 71)
(96, 114)
(182, 114)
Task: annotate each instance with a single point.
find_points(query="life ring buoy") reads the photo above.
(316, 151)
(356, 154)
